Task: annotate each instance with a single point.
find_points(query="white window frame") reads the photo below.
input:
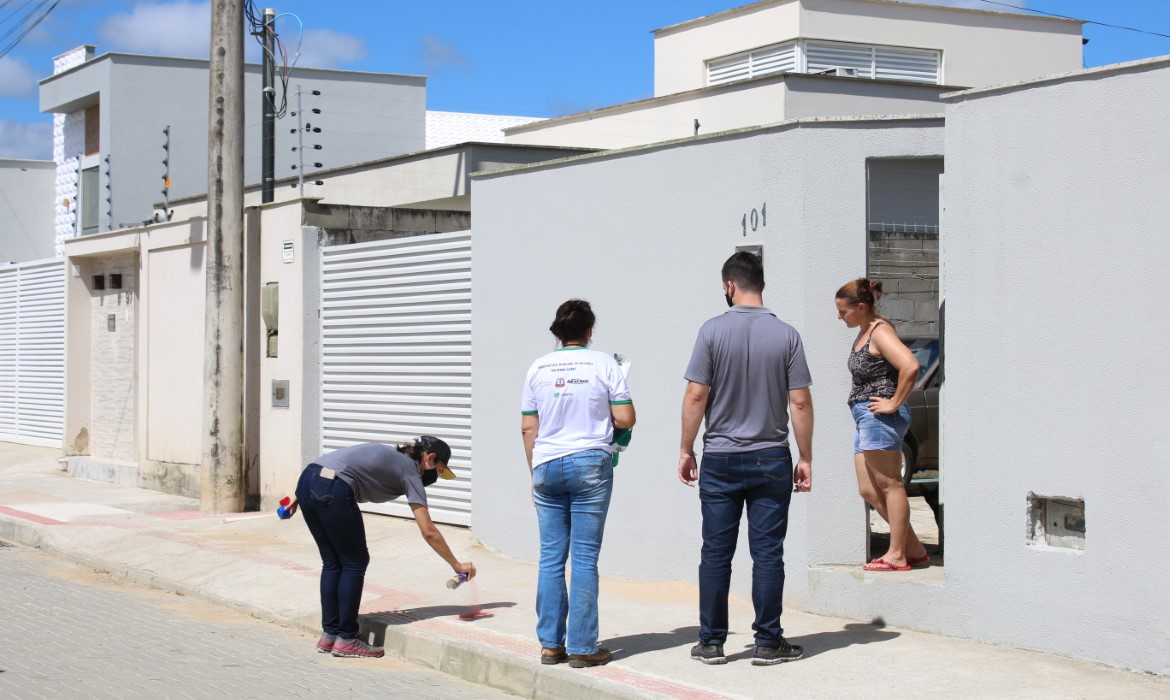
(801, 62)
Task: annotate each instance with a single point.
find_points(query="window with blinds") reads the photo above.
(808, 56)
(780, 58)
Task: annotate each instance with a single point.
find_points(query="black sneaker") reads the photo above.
(767, 656)
(710, 654)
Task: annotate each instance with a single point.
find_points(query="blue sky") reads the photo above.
(507, 57)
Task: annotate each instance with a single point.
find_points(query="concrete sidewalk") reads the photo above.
(267, 567)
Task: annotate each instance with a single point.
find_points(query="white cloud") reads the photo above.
(16, 78)
(325, 48)
(437, 54)
(26, 139)
(164, 29)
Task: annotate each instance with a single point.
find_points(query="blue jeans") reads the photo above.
(763, 480)
(572, 499)
(331, 512)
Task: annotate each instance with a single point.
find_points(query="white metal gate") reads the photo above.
(396, 353)
(32, 352)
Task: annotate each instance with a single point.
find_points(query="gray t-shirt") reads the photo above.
(751, 360)
(377, 473)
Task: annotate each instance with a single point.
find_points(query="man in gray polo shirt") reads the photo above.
(746, 368)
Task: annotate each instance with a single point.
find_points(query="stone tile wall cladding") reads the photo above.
(113, 351)
(907, 265)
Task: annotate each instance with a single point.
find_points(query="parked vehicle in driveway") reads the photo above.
(920, 465)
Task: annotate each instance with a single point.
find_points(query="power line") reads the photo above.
(1078, 19)
(28, 24)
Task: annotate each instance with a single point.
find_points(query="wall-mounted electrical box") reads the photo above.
(1056, 522)
(270, 311)
(280, 393)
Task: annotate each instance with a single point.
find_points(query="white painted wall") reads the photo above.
(979, 48)
(1055, 256)
(281, 459)
(642, 235)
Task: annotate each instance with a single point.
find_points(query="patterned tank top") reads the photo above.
(872, 375)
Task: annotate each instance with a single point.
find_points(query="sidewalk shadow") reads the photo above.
(821, 642)
(634, 644)
(377, 622)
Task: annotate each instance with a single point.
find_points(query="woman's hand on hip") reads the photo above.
(882, 406)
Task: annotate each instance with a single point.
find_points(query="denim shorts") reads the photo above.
(879, 432)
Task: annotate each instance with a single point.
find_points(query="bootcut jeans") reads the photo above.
(572, 499)
(727, 481)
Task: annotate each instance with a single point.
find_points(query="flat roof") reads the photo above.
(723, 87)
(148, 58)
(756, 5)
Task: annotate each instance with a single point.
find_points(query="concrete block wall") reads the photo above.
(113, 393)
(907, 265)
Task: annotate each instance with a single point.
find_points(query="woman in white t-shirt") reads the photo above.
(574, 398)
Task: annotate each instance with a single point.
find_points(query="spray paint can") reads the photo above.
(457, 580)
(282, 509)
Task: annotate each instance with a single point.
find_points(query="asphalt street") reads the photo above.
(69, 632)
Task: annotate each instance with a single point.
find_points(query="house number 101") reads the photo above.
(757, 218)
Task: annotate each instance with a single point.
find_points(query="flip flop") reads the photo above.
(918, 561)
(883, 565)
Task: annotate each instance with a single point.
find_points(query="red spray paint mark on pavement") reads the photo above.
(474, 610)
(39, 519)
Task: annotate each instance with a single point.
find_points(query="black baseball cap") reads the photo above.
(430, 443)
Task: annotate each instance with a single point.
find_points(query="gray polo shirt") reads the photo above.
(751, 360)
(377, 473)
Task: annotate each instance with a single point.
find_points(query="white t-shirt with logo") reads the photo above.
(571, 390)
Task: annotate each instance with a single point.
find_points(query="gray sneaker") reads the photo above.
(767, 656)
(357, 648)
(326, 642)
(710, 654)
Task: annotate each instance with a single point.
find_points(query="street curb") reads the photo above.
(522, 677)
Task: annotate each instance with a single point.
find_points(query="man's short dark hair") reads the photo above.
(746, 270)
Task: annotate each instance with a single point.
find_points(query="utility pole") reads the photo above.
(222, 476)
(268, 109)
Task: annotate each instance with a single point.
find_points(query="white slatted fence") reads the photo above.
(32, 353)
(396, 353)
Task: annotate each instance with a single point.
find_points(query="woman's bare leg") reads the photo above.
(884, 471)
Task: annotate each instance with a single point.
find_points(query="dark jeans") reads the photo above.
(763, 480)
(331, 512)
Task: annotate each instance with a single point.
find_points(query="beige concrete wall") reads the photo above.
(732, 107)
(979, 48)
(171, 356)
(681, 52)
(173, 347)
(740, 105)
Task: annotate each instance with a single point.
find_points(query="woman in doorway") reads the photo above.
(884, 371)
(573, 400)
(328, 493)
